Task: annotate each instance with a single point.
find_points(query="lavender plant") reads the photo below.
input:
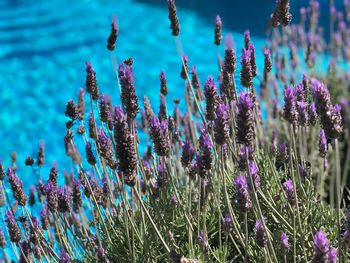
(217, 183)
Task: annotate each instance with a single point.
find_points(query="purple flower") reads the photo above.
(89, 154)
(163, 83)
(254, 172)
(113, 35)
(261, 237)
(321, 247)
(230, 61)
(64, 258)
(228, 221)
(188, 153)
(64, 199)
(243, 200)
(173, 200)
(252, 59)
(76, 195)
(211, 99)
(105, 149)
(267, 60)
(323, 144)
(289, 111)
(125, 148)
(312, 114)
(332, 255)
(184, 67)
(284, 244)
(282, 14)
(245, 120)
(91, 82)
(174, 22)
(13, 228)
(71, 110)
(105, 108)
(221, 125)
(218, 31)
(289, 190)
(128, 94)
(302, 113)
(51, 196)
(246, 70)
(160, 136)
(16, 187)
(202, 240)
(205, 146)
(101, 253)
(44, 218)
(246, 39)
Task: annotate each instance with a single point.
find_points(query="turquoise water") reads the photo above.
(43, 49)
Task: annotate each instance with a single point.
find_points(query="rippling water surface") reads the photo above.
(43, 48)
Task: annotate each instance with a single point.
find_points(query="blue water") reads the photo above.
(43, 49)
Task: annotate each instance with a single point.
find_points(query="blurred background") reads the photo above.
(44, 46)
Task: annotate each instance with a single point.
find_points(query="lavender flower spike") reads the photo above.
(245, 120)
(243, 200)
(323, 148)
(321, 247)
(289, 190)
(289, 110)
(91, 82)
(13, 228)
(260, 232)
(221, 126)
(284, 244)
(160, 136)
(218, 31)
(128, 94)
(211, 99)
(174, 22)
(113, 35)
(16, 187)
(188, 153)
(246, 70)
(125, 148)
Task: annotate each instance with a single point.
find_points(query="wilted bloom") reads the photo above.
(284, 244)
(218, 31)
(125, 148)
(128, 94)
(163, 83)
(245, 120)
(246, 70)
(13, 228)
(289, 190)
(174, 22)
(260, 232)
(91, 82)
(211, 99)
(289, 110)
(243, 200)
(188, 153)
(113, 35)
(221, 125)
(321, 248)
